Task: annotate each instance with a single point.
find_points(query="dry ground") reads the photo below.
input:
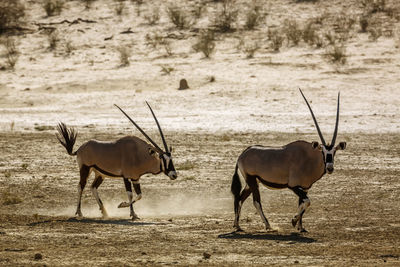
(354, 214)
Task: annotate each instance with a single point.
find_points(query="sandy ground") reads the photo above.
(354, 214)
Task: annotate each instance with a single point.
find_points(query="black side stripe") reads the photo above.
(104, 172)
(272, 185)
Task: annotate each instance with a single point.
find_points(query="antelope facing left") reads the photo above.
(128, 157)
(296, 166)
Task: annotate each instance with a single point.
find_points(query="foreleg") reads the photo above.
(304, 203)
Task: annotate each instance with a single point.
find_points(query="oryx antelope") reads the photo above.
(296, 166)
(128, 157)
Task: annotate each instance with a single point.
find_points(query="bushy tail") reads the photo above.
(236, 186)
(67, 137)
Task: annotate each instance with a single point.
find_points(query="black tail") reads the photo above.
(67, 137)
(236, 186)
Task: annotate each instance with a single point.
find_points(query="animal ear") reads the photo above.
(341, 146)
(315, 145)
(151, 151)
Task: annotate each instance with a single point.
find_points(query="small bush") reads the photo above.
(153, 17)
(374, 33)
(309, 33)
(254, 16)
(227, 16)
(166, 70)
(54, 39)
(363, 21)
(11, 14)
(292, 31)
(124, 54)
(68, 46)
(198, 9)
(205, 43)
(336, 54)
(154, 39)
(53, 7)
(178, 17)
(119, 7)
(276, 38)
(88, 3)
(373, 6)
(250, 49)
(12, 53)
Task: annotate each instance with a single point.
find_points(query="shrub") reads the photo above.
(53, 7)
(178, 17)
(153, 17)
(292, 31)
(276, 38)
(119, 7)
(11, 14)
(53, 38)
(205, 43)
(10, 199)
(364, 22)
(12, 53)
(250, 49)
(254, 16)
(336, 54)
(227, 16)
(88, 3)
(309, 33)
(124, 54)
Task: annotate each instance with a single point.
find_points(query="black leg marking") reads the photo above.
(304, 202)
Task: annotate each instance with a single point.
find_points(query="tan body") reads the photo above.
(296, 164)
(128, 157)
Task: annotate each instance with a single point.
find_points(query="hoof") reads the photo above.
(78, 215)
(303, 230)
(238, 229)
(135, 217)
(123, 205)
(294, 221)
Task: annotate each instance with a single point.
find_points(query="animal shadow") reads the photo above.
(291, 238)
(127, 222)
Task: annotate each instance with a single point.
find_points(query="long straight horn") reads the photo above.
(315, 120)
(159, 128)
(140, 129)
(337, 121)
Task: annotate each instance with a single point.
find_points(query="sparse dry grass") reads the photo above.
(9, 198)
(336, 54)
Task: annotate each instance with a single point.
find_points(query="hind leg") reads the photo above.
(252, 182)
(238, 205)
(84, 174)
(304, 203)
(96, 183)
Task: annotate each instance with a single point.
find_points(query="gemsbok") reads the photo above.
(128, 157)
(296, 166)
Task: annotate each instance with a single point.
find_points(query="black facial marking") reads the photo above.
(329, 158)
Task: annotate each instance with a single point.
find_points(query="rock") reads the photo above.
(183, 84)
(206, 255)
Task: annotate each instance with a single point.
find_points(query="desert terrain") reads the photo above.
(235, 100)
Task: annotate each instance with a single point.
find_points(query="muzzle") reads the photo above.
(172, 175)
